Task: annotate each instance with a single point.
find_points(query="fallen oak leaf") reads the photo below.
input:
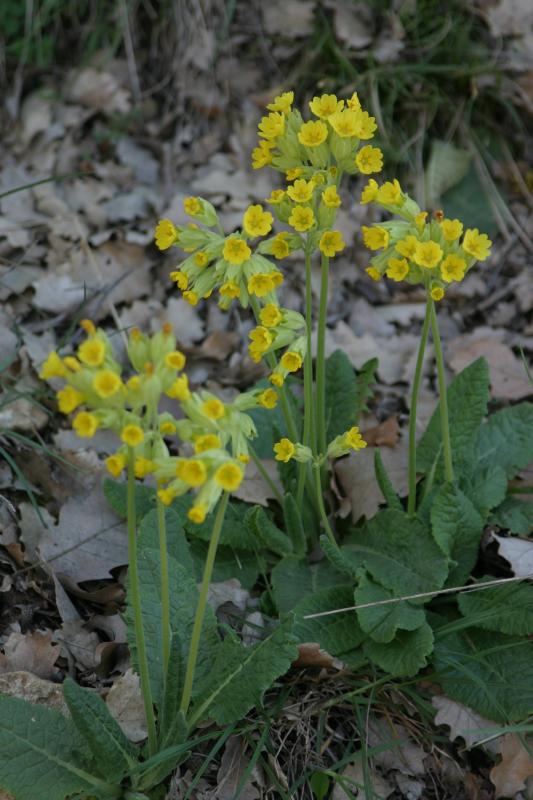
(516, 766)
(386, 434)
(30, 652)
(310, 654)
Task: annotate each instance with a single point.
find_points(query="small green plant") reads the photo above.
(391, 583)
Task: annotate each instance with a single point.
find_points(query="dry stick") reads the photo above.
(450, 590)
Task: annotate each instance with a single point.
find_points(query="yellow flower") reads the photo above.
(261, 337)
(302, 218)
(272, 125)
(325, 105)
(437, 293)
(313, 134)
(370, 192)
(192, 206)
(369, 159)
(293, 173)
(330, 197)
(192, 471)
(291, 361)
(276, 278)
(213, 408)
(175, 360)
(133, 384)
(191, 298)
(331, 243)
(143, 467)
(208, 441)
(397, 269)
(375, 237)
(167, 428)
(420, 221)
(257, 222)
(229, 476)
(106, 383)
(374, 273)
(115, 464)
(88, 326)
(301, 191)
(406, 247)
(68, 399)
(279, 246)
(282, 103)
(180, 279)
(260, 284)
(268, 398)
(244, 458)
(179, 390)
(345, 123)
(451, 229)
(270, 315)
(85, 424)
(284, 450)
(276, 379)
(453, 268)
(53, 367)
(132, 435)
(262, 154)
(92, 352)
(72, 363)
(353, 439)
(365, 125)
(166, 234)
(197, 514)
(230, 289)
(276, 196)
(390, 193)
(427, 254)
(166, 496)
(236, 251)
(201, 259)
(353, 103)
(476, 244)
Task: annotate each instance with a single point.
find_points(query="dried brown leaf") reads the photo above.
(510, 775)
(30, 652)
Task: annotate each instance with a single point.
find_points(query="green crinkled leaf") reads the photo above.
(113, 752)
(235, 533)
(177, 545)
(172, 725)
(116, 495)
(486, 487)
(447, 166)
(293, 579)
(240, 675)
(183, 602)
(457, 527)
(270, 536)
(489, 672)
(366, 377)
(239, 564)
(341, 558)
(42, 753)
(507, 439)
(468, 395)
(406, 655)
(514, 515)
(384, 482)
(382, 622)
(469, 200)
(341, 397)
(400, 553)
(505, 609)
(294, 524)
(339, 634)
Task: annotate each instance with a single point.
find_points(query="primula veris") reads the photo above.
(272, 126)
(256, 221)
(330, 197)
(85, 424)
(92, 352)
(325, 105)
(229, 477)
(345, 123)
(213, 408)
(271, 315)
(282, 103)
(284, 450)
(375, 238)
(268, 398)
(369, 159)
(236, 251)
(302, 218)
(453, 268)
(301, 190)
(397, 269)
(166, 234)
(477, 244)
(451, 229)
(192, 471)
(313, 134)
(331, 243)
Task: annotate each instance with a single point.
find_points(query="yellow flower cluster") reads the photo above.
(216, 433)
(433, 252)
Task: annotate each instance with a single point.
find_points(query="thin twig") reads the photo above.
(450, 590)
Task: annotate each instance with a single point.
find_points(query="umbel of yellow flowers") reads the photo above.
(213, 436)
(434, 252)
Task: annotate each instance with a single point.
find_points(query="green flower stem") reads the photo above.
(165, 585)
(309, 429)
(202, 603)
(443, 398)
(411, 506)
(268, 480)
(135, 597)
(321, 358)
(321, 507)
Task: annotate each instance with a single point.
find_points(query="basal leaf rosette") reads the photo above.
(434, 253)
(102, 396)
